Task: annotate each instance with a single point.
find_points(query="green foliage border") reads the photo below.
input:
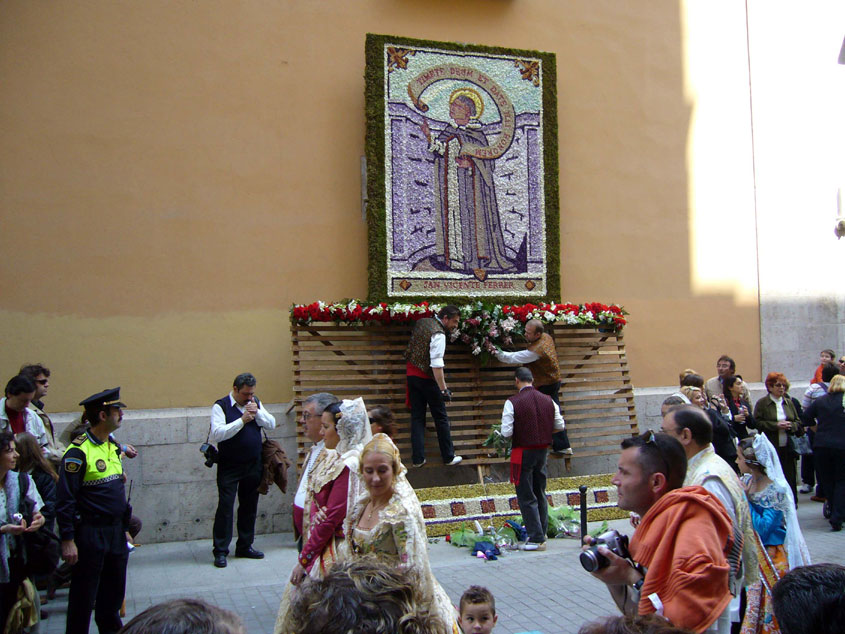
(374, 150)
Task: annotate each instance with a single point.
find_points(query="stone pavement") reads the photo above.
(547, 592)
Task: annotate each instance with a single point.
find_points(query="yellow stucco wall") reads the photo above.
(174, 174)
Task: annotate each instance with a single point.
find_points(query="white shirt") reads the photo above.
(523, 357)
(33, 425)
(31, 494)
(299, 498)
(781, 415)
(507, 418)
(221, 430)
(437, 348)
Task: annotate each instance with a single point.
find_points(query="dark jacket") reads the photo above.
(828, 412)
(766, 417)
(47, 490)
(275, 465)
(724, 439)
(741, 428)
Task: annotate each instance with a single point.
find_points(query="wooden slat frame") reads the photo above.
(597, 397)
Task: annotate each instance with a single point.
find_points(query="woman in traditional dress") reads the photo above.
(387, 521)
(331, 488)
(781, 545)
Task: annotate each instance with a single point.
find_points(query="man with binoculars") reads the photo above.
(677, 565)
(235, 423)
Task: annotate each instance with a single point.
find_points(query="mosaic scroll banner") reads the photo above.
(462, 171)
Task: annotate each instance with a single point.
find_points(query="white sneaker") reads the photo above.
(455, 460)
(805, 488)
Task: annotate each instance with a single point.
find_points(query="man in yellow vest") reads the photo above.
(93, 514)
(541, 358)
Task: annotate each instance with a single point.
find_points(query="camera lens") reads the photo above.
(589, 560)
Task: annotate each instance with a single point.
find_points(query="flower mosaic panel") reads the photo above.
(465, 170)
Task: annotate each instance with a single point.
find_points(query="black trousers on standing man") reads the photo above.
(531, 494)
(98, 577)
(241, 478)
(424, 393)
(560, 440)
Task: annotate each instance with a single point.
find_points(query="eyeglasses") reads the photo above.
(783, 385)
(651, 440)
(306, 415)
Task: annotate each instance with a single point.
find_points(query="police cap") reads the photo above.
(106, 398)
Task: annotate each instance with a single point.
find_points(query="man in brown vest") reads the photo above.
(541, 358)
(427, 383)
(530, 417)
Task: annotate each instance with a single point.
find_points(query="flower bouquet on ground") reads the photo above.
(564, 521)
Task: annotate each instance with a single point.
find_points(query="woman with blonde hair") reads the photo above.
(386, 521)
(827, 416)
(724, 439)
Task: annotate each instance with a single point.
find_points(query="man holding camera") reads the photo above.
(531, 418)
(677, 565)
(236, 420)
(427, 383)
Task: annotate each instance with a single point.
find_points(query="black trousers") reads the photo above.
(424, 393)
(830, 466)
(98, 577)
(243, 479)
(9, 591)
(531, 494)
(560, 440)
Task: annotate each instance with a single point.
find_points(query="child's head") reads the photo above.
(382, 421)
(478, 611)
(827, 356)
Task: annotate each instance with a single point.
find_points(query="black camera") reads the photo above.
(210, 452)
(614, 541)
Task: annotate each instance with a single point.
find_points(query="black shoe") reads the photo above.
(835, 528)
(219, 561)
(249, 553)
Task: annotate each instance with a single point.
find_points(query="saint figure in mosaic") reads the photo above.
(468, 231)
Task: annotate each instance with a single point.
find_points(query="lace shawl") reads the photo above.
(778, 495)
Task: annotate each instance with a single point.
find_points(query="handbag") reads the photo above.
(799, 445)
(41, 548)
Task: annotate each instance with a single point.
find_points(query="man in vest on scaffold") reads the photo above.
(541, 358)
(427, 383)
(530, 417)
(236, 420)
(93, 515)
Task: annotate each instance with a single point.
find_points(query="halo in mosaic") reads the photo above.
(461, 171)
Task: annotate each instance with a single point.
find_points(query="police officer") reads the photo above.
(92, 514)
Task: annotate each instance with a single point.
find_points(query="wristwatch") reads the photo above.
(636, 587)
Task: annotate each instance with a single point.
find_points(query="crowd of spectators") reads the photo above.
(712, 496)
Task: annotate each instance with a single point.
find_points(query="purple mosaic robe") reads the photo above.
(469, 234)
